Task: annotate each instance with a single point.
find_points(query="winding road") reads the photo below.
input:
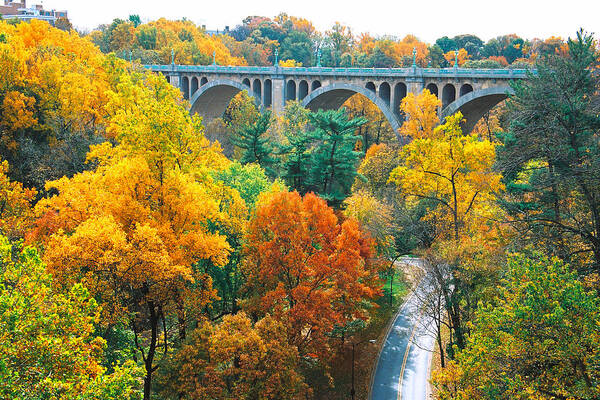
(402, 371)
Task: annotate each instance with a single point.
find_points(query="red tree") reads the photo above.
(308, 269)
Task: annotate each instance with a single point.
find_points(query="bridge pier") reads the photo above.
(415, 85)
(175, 81)
(278, 87)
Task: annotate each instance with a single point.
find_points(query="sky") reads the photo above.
(426, 19)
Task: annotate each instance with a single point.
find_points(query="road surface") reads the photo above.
(402, 371)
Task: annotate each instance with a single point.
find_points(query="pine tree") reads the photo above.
(256, 147)
(297, 166)
(334, 159)
(551, 156)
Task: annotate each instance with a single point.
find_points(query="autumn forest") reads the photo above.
(149, 254)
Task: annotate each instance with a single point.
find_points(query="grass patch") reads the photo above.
(399, 290)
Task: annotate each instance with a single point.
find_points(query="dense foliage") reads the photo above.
(535, 333)
(146, 237)
(48, 348)
(52, 94)
(538, 338)
(143, 258)
(551, 155)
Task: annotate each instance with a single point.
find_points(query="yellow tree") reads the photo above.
(289, 63)
(191, 44)
(453, 172)
(148, 117)
(374, 216)
(377, 129)
(122, 37)
(380, 160)
(52, 93)
(452, 169)
(16, 213)
(133, 229)
(421, 114)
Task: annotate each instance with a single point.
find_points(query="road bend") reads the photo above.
(402, 370)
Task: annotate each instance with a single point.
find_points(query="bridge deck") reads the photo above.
(348, 72)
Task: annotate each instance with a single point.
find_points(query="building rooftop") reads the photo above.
(19, 10)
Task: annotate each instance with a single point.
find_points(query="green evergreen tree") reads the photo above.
(295, 151)
(135, 18)
(551, 155)
(297, 165)
(256, 148)
(333, 159)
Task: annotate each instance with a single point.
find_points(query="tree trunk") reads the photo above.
(441, 347)
(392, 287)
(456, 325)
(154, 319)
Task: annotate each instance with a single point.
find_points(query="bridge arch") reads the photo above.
(476, 103)
(302, 89)
(211, 100)
(194, 85)
(257, 89)
(400, 92)
(465, 88)
(290, 90)
(448, 94)
(371, 86)
(268, 93)
(385, 92)
(433, 88)
(185, 87)
(332, 97)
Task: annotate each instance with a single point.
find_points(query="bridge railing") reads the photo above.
(330, 71)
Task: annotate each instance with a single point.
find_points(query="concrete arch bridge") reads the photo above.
(210, 88)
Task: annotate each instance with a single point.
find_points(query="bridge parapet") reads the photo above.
(346, 72)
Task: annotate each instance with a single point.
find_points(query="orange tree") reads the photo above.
(308, 269)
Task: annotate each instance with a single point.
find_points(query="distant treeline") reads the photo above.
(293, 41)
